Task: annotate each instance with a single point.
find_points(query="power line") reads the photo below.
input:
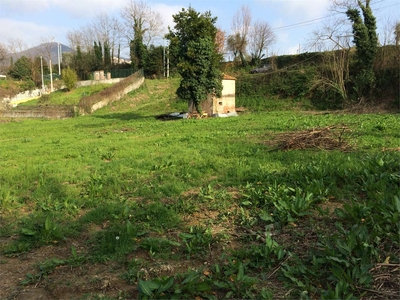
(304, 23)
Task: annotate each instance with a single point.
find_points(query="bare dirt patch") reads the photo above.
(64, 282)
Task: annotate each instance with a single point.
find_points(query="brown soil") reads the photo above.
(99, 280)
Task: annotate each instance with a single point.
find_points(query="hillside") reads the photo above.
(47, 50)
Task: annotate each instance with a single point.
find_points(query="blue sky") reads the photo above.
(292, 20)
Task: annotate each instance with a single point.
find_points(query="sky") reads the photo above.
(292, 21)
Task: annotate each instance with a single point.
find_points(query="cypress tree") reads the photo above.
(366, 40)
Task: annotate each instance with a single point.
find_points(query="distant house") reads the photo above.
(223, 106)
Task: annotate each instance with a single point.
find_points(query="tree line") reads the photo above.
(197, 57)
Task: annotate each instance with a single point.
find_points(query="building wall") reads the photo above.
(225, 104)
(219, 105)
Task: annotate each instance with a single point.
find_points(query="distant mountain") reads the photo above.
(46, 50)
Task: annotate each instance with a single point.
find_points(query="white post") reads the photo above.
(168, 62)
(51, 78)
(164, 67)
(41, 68)
(59, 58)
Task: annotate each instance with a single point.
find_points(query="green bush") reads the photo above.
(70, 78)
(285, 84)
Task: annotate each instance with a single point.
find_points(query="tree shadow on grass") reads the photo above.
(135, 116)
(125, 116)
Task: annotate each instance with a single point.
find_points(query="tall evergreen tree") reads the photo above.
(78, 62)
(21, 69)
(366, 40)
(98, 56)
(138, 50)
(119, 53)
(107, 57)
(193, 44)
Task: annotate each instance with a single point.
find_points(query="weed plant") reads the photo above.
(232, 216)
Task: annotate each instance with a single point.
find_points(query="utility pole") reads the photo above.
(51, 78)
(41, 68)
(168, 62)
(164, 66)
(59, 58)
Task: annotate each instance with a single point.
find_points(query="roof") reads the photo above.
(227, 77)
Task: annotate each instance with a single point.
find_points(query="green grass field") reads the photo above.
(120, 205)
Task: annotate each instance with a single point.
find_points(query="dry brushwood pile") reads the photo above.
(327, 138)
(386, 280)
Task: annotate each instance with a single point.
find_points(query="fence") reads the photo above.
(121, 73)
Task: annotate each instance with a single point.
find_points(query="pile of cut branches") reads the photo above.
(386, 280)
(327, 138)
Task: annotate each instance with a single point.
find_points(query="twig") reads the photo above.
(379, 292)
(388, 265)
(280, 265)
(379, 265)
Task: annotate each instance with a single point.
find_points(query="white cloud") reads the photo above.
(167, 11)
(293, 49)
(299, 9)
(10, 7)
(29, 32)
(88, 8)
(75, 8)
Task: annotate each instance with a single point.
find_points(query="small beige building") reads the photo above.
(223, 106)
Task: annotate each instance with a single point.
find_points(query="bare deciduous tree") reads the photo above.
(332, 35)
(16, 45)
(46, 45)
(3, 55)
(220, 41)
(108, 30)
(233, 43)
(241, 23)
(75, 39)
(103, 28)
(334, 38)
(341, 6)
(261, 37)
(3, 52)
(397, 34)
(83, 37)
(150, 22)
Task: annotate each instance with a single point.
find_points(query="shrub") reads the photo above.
(70, 78)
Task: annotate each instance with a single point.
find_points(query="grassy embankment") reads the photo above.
(119, 204)
(61, 97)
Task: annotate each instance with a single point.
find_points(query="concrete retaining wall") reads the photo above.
(135, 85)
(89, 104)
(41, 112)
(22, 97)
(33, 94)
(94, 82)
(70, 111)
